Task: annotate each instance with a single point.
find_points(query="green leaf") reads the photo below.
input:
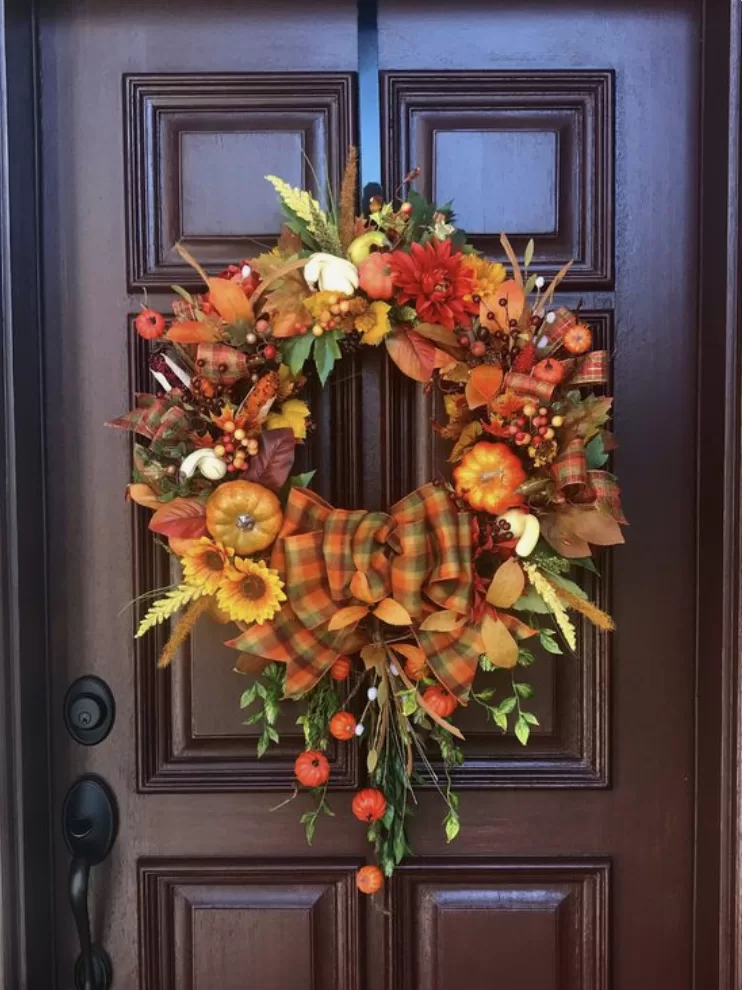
(549, 641)
(400, 845)
(587, 563)
(522, 730)
(528, 253)
(506, 706)
(309, 821)
(532, 602)
(182, 293)
(569, 585)
(452, 826)
(372, 758)
(248, 697)
(301, 480)
(501, 721)
(326, 353)
(530, 718)
(530, 284)
(525, 657)
(485, 663)
(486, 694)
(523, 690)
(409, 702)
(263, 744)
(595, 452)
(295, 351)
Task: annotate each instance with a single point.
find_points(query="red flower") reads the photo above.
(433, 278)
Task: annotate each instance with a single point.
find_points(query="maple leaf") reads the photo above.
(284, 303)
(292, 414)
(586, 418)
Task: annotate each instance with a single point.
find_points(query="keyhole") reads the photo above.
(86, 712)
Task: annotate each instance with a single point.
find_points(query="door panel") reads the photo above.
(573, 869)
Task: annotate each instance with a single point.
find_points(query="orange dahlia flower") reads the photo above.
(435, 280)
(488, 476)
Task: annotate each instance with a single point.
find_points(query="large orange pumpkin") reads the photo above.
(488, 476)
(369, 805)
(243, 516)
(311, 768)
(369, 879)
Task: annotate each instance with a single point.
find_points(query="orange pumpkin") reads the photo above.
(369, 879)
(340, 669)
(440, 701)
(369, 805)
(312, 769)
(243, 516)
(578, 339)
(342, 726)
(488, 476)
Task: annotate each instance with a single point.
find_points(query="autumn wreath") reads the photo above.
(383, 623)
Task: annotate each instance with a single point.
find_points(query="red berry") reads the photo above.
(519, 436)
(512, 430)
(543, 411)
(150, 324)
(269, 352)
(542, 430)
(478, 348)
(536, 441)
(521, 421)
(231, 467)
(464, 341)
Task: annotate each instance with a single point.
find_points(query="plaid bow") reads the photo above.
(156, 418)
(419, 554)
(579, 485)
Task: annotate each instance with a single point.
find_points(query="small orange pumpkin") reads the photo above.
(340, 669)
(243, 516)
(578, 339)
(312, 769)
(369, 805)
(342, 726)
(440, 701)
(488, 477)
(369, 879)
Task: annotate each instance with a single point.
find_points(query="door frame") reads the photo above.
(27, 819)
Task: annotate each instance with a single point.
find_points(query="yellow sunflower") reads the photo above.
(374, 323)
(487, 275)
(251, 591)
(204, 564)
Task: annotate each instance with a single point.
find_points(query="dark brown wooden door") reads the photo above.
(576, 124)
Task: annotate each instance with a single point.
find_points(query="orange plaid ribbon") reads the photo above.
(419, 554)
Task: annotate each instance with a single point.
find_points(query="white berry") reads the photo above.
(246, 271)
(359, 729)
(540, 282)
(542, 342)
(550, 317)
(372, 693)
(394, 670)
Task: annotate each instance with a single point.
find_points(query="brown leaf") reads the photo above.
(347, 616)
(444, 620)
(507, 584)
(284, 303)
(143, 495)
(469, 435)
(458, 372)
(483, 385)
(373, 656)
(413, 354)
(499, 644)
(184, 518)
(559, 535)
(585, 420)
(248, 663)
(392, 613)
(445, 339)
(272, 464)
(193, 332)
(593, 525)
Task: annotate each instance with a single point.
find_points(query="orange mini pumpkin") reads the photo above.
(243, 516)
(369, 879)
(312, 769)
(369, 805)
(340, 669)
(488, 476)
(578, 339)
(342, 726)
(440, 701)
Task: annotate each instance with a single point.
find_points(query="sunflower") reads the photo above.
(486, 275)
(204, 564)
(251, 591)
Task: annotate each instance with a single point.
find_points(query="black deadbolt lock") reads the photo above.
(89, 710)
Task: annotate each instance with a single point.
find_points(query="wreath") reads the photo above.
(384, 623)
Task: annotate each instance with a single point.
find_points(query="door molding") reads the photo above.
(27, 820)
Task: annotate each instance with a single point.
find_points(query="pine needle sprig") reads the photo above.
(165, 607)
(303, 205)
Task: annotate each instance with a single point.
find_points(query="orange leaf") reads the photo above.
(412, 653)
(184, 518)
(346, 616)
(180, 546)
(143, 495)
(413, 354)
(392, 613)
(373, 656)
(443, 621)
(229, 300)
(517, 627)
(193, 332)
(494, 315)
(483, 385)
(507, 584)
(499, 644)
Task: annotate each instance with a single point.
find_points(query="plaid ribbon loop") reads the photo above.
(419, 554)
(581, 485)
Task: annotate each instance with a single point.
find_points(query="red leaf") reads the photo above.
(272, 464)
(184, 518)
(414, 355)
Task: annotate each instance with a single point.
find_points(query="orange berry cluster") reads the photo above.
(234, 447)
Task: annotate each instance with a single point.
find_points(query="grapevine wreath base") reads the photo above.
(383, 623)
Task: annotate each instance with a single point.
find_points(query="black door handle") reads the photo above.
(89, 825)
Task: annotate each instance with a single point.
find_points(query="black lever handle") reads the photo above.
(89, 824)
